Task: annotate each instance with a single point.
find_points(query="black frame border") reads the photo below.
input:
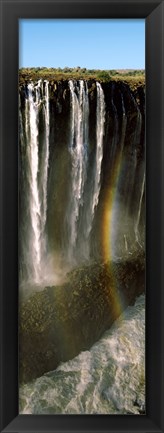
(153, 12)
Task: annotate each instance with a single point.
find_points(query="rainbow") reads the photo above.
(107, 229)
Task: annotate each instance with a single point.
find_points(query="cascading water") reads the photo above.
(78, 149)
(125, 216)
(124, 123)
(132, 169)
(133, 159)
(79, 152)
(116, 207)
(45, 153)
(36, 185)
(115, 135)
(100, 123)
(71, 221)
(99, 145)
(32, 112)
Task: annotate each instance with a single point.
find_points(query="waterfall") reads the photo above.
(100, 123)
(80, 172)
(37, 97)
(81, 246)
(130, 168)
(78, 150)
(117, 211)
(137, 136)
(32, 110)
(46, 153)
(124, 124)
(100, 115)
(95, 144)
(136, 141)
(115, 136)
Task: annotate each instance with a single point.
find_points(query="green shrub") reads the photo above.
(103, 75)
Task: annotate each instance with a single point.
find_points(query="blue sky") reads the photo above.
(89, 43)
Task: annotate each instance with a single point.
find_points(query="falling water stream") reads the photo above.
(37, 174)
(84, 182)
(100, 121)
(78, 150)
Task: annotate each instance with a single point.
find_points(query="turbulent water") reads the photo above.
(107, 379)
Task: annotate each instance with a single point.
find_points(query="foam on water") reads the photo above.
(108, 379)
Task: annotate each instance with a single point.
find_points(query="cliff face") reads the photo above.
(122, 168)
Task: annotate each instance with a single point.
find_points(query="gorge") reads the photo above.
(81, 213)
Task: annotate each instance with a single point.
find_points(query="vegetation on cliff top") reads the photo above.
(132, 77)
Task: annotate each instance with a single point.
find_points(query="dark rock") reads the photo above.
(130, 172)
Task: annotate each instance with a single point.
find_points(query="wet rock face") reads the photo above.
(120, 102)
(59, 95)
(59, 322)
